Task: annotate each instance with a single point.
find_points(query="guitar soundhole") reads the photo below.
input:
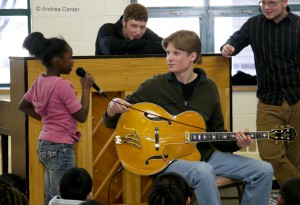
(147, 162)
(154, 117)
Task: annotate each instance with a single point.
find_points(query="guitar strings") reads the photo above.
(163, 118)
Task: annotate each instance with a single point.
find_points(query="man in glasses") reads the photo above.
(274, 37)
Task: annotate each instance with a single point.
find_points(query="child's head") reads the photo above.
(15, 181)
(169, 188)
(289, 193)
(52, 51)
(11, 196)
(91, 202)
(76, 184)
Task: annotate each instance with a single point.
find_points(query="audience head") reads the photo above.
(15, 181)
(289, 193)
(185, 40)
(134, 21)
(45, 49)
(169, 189)
(76, 184)
(91, 202)
(11, 196)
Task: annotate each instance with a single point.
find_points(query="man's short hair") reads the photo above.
(135, 11)
(185, 40)
(76, 183)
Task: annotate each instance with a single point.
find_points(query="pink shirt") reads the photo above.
(55, 100)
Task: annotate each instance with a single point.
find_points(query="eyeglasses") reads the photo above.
(270, 3)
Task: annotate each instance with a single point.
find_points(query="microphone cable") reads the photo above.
(163, 118)
(116, 174)
(81, 73)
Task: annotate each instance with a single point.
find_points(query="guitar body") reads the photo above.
(146, 143)
(148, 138)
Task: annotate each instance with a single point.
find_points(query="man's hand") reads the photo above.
(117, 105)
(227, 50)
(243, 139)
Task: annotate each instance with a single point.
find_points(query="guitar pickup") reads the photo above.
(156, 139)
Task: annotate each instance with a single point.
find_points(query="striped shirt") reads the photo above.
(276, 49)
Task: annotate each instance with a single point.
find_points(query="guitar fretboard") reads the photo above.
(221, 136)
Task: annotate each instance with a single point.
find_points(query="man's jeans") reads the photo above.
(56, 158)
(256, 174)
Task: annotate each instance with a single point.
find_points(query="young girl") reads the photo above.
(52, 100)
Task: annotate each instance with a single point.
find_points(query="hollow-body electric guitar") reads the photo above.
(148, 138)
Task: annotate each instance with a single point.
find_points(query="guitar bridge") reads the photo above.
(131, 139)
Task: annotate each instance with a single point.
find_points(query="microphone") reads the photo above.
(81, 73)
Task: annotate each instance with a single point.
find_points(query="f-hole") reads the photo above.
(156, 118)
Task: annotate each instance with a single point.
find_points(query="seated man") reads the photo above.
(170, 188)
(186, 88)
(75, 187)
(129, 35)
(289, 193)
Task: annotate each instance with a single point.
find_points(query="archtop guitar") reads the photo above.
(148, 138)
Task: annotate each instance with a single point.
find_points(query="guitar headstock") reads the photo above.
(283, 134)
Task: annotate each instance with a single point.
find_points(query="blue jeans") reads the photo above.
(56, 158)
(256, 174)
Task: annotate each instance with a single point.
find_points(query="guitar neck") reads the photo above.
(220, 136)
